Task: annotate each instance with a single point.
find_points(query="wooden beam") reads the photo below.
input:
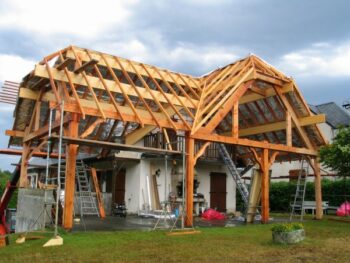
(99, 198)
(71, 157)
(64, 63)
(34, 154)
(115, 146)
(200, 152)
(289, 129)
(189, 143)
(269, 92)
(251, 143)
(314, 163)
(235, 120)
(14, 133)
(265, 169)
(84, 66)
(91, 128)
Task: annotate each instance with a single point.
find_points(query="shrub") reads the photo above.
(287, 227)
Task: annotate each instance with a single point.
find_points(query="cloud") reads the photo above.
(14, 67)
(320, 59)
(83, 18)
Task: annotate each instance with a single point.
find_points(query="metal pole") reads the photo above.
(47, 166)
(183, 183)
(165, 179)
(58, 191)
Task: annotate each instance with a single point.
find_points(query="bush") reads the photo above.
(4, 178)
(287, 227)
(281, 194)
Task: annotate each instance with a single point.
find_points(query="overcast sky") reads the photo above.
(308, 40)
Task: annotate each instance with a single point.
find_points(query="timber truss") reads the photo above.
(248, 104)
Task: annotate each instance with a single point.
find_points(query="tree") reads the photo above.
(337, 154)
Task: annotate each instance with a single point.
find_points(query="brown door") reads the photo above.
(218, 191)
(119, 192)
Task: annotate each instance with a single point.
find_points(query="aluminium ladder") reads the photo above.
(235, 173)
(87, 201)
(298, 204)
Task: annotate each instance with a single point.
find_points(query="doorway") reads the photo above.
(218, 191)
(119, 189)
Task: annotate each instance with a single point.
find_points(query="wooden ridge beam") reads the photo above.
(251, 143)
(95, 82)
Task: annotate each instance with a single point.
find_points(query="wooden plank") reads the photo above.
(99, 198)
(251, 143)
(200, 152)
(95, 82)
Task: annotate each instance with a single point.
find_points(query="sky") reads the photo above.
(308, 40)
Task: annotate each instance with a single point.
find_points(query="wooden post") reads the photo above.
(71, 156)
(235, 122)
(23, 181)
(289, 129)
(265, 168)
(318, 189)
(189, 178)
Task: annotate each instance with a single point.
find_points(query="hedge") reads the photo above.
(281, 194)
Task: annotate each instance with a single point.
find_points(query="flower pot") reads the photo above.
(292, 237)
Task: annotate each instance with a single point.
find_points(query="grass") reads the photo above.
(327, 241)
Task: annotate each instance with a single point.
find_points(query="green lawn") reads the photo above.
(327, 241)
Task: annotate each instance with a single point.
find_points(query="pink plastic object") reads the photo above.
(344, 209)
(211, 214)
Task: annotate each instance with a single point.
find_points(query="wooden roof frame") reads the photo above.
(102, 87)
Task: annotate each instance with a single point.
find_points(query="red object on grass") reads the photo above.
(211, 214)
(344, 209)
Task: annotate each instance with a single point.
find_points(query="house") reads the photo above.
(139, 130)
(335, 117)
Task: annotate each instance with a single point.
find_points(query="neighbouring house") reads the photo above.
(335, 117)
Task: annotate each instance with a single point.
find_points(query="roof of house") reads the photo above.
(335, 115)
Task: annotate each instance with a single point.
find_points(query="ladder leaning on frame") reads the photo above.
(299, 197)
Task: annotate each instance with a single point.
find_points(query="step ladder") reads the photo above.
(298, 204)
(234, 173)
(87, 201)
